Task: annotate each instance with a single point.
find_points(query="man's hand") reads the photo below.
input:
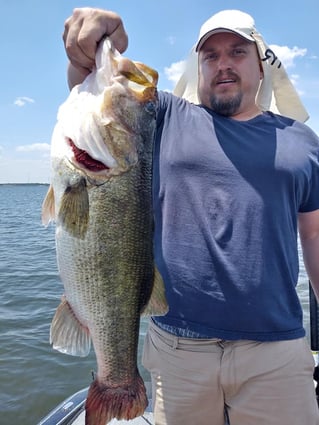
(82, 33)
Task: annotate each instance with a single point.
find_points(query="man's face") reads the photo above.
(229, 74)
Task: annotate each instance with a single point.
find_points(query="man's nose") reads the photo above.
(224, 62)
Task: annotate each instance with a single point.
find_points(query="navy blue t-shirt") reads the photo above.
(226, 198)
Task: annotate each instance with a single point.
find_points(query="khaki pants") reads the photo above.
(195, 381)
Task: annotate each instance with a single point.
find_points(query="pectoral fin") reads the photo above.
(48, 210)
(74, 209)
(157, 305)
(67, 334)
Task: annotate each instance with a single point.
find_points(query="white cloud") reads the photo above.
(13, 170)
(288, 55)
(25, 163)
(174, 71)
(22, 100)
(171, 40)
(34, 147)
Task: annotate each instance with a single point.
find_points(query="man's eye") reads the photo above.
(238, 52)
(210, 56)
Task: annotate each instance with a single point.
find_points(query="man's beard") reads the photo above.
(226, 107)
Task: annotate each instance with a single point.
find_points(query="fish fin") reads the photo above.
(104, 402)
(48, 209)
(157, 304)
(74, 209)
(67, 334)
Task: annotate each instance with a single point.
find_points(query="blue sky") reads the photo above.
(161, 33)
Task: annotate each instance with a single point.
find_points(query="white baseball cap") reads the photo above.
(233, 21)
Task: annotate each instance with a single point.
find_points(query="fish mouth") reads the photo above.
(84, 160)
(100, 126)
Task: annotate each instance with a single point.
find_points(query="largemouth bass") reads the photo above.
(100, 198)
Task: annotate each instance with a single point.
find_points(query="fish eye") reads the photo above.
(150, 107)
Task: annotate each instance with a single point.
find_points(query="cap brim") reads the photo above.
(219, 30)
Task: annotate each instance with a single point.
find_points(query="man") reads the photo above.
(231, 182)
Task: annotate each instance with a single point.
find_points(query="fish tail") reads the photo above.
(123, 402)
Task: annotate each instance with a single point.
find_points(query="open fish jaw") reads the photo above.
(101, 115)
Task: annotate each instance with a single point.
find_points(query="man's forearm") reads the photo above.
(310, 248)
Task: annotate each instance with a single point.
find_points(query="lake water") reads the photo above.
(33, 376)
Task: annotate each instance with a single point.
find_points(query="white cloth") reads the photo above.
(276, 92)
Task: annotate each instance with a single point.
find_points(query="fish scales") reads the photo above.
(100, 198)
(110, 252)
